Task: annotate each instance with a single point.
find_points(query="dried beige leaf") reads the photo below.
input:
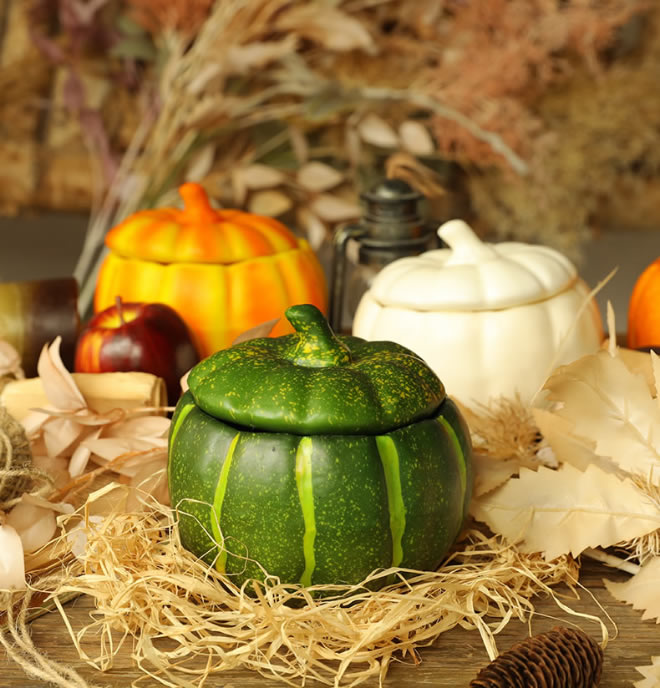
(59, 386)
(107, 449)
(55, 507)
(60, 434)
(559, 433)
(490, 473)
(57, 467)
(326, 25)
(612, 407)
(10, 360)
(376, 131)
(299, 144)
(335, 209)
(140, 426)
(239, 187)
(12, 561)
(81, 455)
(149, 481)
(416, 138)
(271, 203)
(258, 176)
(35, 525)
(642, 590)
(200, 164)
(353, 144)
(314, 227)
(650, 673)
(77, 536)
(317, 176)
(245, 58)
(637, 362)
(565, 511)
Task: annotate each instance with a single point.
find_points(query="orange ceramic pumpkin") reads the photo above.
(644, 309)
(224, 271)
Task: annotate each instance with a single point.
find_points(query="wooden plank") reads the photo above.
(453, 660)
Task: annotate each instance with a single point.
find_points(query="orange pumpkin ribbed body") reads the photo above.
(644, 309)
(224, 271)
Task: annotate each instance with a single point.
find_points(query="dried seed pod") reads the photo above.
(561, 658)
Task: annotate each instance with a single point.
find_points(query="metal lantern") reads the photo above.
(392, 227)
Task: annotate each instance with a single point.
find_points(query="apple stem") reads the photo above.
(120, 310)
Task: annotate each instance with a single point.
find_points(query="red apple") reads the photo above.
(146, 337)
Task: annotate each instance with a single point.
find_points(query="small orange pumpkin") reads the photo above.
(224, 271)
(644, 309)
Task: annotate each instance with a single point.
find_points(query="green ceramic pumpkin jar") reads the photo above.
(317, 458)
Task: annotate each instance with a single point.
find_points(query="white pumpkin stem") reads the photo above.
(466, 246)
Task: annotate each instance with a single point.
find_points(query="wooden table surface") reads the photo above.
(453, 660)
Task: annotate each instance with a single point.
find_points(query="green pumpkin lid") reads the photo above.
(315, 382)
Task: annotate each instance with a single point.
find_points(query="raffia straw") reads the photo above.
(503, 429)
(647, 546)
(185, 622)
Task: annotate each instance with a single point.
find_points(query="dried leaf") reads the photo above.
(612, 407)
(314, 227)
(10, 360)
(59, 386)
(140, 426)
(326, 25)
(55, 507)
(243, 59)
(56, 467)
(651, 674)
(200, 164)
(299, 144)
(316, 176)
(416, 138)
(59, 435)
(637, 362)
(35, 525)
(335, 209)
(641, 590)
(110, 448)
(149, 481)
(12, 563)
(565, 511)
(78, 535)
(376, 131)
(80, 457)
(560, 434)
(258, 176)
(490, 473)
(271, 203)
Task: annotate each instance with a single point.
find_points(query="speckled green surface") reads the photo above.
(313, 382)
(319, 509)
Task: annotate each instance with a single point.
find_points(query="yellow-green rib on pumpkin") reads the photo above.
(319, 507)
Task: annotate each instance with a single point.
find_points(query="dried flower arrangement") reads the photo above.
(290, 111)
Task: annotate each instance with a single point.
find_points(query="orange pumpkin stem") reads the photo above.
(196, 205)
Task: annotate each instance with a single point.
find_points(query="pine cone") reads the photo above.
(561, 658)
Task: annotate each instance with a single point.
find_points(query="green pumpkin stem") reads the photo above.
(316, 344)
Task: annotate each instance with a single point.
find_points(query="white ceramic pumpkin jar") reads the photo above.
(490, 319)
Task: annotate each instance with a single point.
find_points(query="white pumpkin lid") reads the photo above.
(473, 275)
